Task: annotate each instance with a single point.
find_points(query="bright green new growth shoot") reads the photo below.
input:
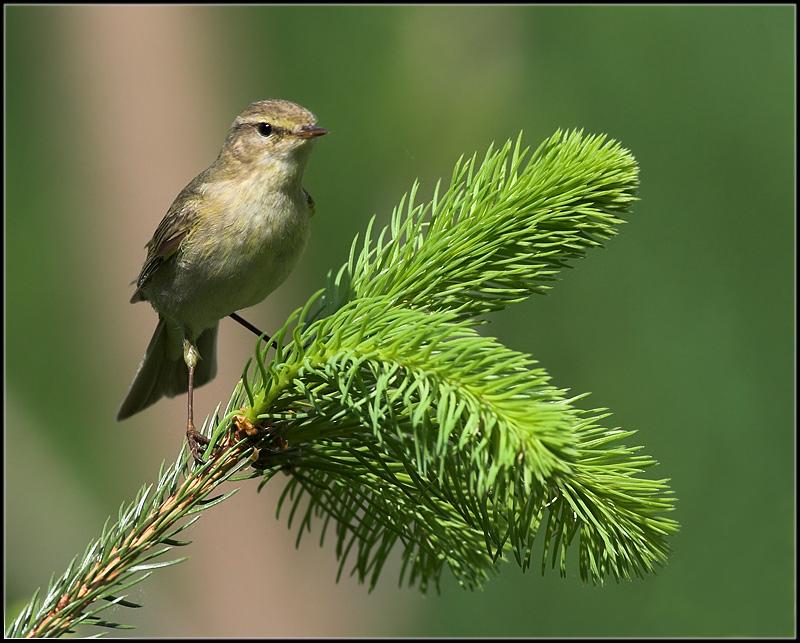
(400, 427)
(407, 426)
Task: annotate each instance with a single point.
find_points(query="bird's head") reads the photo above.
(272, 135)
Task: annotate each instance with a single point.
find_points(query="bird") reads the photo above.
(230, 237)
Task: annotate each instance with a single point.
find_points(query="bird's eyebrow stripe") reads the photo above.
(275, 128)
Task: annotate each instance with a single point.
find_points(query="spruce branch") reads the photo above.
(400, 426)
(130, 550)
(501, 231)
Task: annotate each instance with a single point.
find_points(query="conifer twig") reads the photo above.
(127, 553)
(399, 425)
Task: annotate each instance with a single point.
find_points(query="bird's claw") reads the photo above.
(196, 440)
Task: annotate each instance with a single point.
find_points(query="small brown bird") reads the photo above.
(228, 240)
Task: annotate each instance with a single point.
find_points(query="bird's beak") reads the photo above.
(311, 131)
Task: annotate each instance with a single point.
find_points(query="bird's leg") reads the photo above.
(193, 437)
(253, 329)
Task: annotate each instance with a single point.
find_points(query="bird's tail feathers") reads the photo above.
(163, 371)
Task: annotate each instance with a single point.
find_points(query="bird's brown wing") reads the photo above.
(311, 205)
(166, 241)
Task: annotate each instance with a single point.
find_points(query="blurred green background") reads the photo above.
(683, 325)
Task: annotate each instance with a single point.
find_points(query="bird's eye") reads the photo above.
(265, 129)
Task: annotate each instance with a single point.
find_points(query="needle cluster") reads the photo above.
(406, 427)
(400, 426)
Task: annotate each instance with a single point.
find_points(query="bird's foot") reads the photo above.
(196, 441)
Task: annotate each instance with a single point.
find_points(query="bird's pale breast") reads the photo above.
(247, 242)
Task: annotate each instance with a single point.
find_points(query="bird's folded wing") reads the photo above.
(312, 208)
(166, 241)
